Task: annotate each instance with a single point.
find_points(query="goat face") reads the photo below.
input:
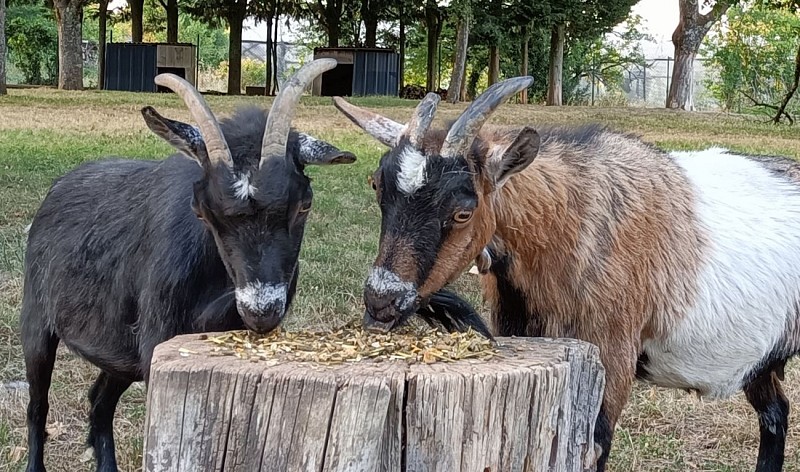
(435, 193)
(255, 208)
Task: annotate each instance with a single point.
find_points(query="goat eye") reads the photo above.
(305, 209)
(462, 216)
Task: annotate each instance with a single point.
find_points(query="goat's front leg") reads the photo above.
(620, 374)
(765, 394)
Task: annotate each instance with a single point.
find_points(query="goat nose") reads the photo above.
(380, 306)
(261, 323)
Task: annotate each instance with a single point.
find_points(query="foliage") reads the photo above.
(753, 56)
(32, 39)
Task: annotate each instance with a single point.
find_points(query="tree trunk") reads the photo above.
(172, 21)
(523, 68)
(102, 19)
(3, 49)
(534, 408)
(235, 21)
(462, 93)
(433, 25)
(137, 14)
(275, 83)
(459, 64)
(789, 94)
(494, 64)
(333, 15)
(688, 36)
(70, 53)
(268, 59)
(369, 14)
(556, 72)
(402, 39)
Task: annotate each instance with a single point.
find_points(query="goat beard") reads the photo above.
(447, 310)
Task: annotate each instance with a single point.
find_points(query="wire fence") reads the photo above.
(646, 84)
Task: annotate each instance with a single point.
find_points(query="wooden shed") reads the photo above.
(133, 66)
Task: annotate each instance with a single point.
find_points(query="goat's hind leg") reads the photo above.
(39, 347)
(765, 394)
(104, 396)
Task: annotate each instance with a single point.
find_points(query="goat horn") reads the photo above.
(422, 119)
(379, 127)
(216, 146)
(463, 132)
(279, 121)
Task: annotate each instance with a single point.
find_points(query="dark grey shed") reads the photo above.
(133, 66)
(360, 72)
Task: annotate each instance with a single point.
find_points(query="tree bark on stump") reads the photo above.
(531, 408)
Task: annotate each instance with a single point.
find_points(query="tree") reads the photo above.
(102, 22)
(329, 14)
(171, 9)
(3, 47)
(434, 17)
(233, 13)
(137, 20)
(70, 50)
(578, 19)
(32, 40)
(687, 38)
(457, 78)
(793, 6)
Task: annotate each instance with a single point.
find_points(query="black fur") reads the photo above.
(765, 395)
(453, 313)
(512, 314)
(117, 262)
(603, 435)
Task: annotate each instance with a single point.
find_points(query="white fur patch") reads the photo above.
(242, 187)
(384, 282)
(749, 282)
(412, 171)
(260, 297)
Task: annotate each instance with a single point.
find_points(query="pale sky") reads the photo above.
(660, 19)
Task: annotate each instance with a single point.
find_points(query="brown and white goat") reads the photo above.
(683, 268)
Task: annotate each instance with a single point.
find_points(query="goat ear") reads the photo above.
(507, 157)
(314, 151)
(183, 137)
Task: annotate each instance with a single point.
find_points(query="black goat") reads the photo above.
(125, 254)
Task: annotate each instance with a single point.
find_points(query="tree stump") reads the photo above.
(531, 408)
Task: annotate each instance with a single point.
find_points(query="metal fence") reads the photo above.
(290, 56)
(646, 84)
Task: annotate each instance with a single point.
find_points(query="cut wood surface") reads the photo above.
(530, 408)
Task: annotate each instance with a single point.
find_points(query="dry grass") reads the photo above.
(43, 133)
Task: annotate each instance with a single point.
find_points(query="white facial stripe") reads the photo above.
(242, 188)
(384, 282)
(260, 297)
(412, 171)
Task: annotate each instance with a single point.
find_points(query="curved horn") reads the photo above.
(463, 132)
(279, 121)
(216, 146)
(379, 127)
(422, 119)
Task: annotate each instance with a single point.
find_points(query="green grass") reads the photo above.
(44, 133)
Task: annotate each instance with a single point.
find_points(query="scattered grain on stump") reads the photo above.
(354, 400)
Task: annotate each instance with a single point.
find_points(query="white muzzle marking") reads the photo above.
(260, 298)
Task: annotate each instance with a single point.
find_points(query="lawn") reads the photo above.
(45, 133)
